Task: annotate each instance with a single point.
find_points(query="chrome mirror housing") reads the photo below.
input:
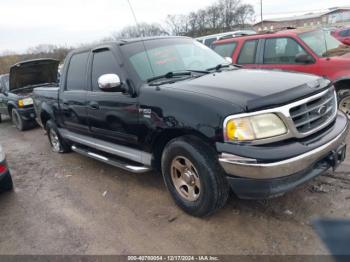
(109, 82)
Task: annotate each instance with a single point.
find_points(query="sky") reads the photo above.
(25, 24)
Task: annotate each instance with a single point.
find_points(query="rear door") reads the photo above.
(73, 97)
(113, 116)
(281, 52)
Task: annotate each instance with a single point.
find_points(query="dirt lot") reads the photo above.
(70, 204)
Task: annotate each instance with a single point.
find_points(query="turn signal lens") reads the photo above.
(254, 127)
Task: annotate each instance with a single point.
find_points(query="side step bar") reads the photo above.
(114, 162)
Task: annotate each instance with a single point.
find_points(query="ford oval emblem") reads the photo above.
(322, 110)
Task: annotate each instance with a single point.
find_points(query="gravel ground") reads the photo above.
(70, 204)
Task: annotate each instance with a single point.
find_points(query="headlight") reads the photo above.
(254, 127)
(25, 102)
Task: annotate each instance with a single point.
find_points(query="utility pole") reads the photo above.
(261, 15)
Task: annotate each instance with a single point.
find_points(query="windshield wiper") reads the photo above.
(220, 66)
(177, 75)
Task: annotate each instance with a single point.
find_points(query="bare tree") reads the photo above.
(244, 14)
(142, 29)
(224, 15)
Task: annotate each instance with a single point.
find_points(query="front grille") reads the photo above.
(315, 113)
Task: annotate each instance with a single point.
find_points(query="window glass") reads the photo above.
(4, 84)
(322, 43)
(170, 55)
(103, 63)
(209, 41)
(225, 50)
(247, 55)
(343, 33)
(281, 51)
(76, 75)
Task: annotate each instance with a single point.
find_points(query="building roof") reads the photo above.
(304, 16)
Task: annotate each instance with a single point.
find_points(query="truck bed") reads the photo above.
(44, 96)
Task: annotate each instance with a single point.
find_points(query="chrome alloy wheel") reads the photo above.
(344, 105)
(185, 178)
(54, 140)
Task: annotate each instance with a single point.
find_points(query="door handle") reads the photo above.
(94, 105)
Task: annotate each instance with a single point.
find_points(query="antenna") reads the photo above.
(325, 40)
(141, 36)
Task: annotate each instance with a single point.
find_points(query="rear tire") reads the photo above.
(343, 94)
(17, 120)
(58, 144)
(6, 183)
(194, 177)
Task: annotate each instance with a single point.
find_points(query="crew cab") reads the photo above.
(172, 104)
(301, 50)
(16, 89)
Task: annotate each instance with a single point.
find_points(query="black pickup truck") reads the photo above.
(172, 104)
(16, 89)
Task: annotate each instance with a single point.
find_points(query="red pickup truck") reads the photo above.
(309, 51)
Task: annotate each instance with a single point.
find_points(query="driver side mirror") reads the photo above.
(304, 59)
(110, 83)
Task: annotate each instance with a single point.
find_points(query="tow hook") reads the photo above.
(337, 156)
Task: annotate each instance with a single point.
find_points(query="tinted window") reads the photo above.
(170, 55)
(247, 55)
(225, 50)
(281, 51)
(103, 63)
(76, 75)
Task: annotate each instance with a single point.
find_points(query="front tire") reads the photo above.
(58, 144)
(6, 183)
(343, 94)
(193, 176)
(17, 120)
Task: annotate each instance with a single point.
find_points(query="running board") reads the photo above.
(114, 162)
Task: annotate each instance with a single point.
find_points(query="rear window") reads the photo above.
(225, 50)
(247, 55)
(76, 75)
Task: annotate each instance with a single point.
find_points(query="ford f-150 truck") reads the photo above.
(174, 105)
(16, 89)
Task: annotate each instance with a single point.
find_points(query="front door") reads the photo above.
(281, 52)
(113, 116)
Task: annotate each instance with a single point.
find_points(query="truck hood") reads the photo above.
(255, 89)
(33, 73)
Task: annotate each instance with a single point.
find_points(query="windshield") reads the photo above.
(321, 42)
(6, 81)
(169, 55)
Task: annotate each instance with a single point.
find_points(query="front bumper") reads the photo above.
(253, 178)
(27, 114)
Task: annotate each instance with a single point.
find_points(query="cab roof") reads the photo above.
(287, 32)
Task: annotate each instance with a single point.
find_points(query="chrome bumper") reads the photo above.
(248, 168)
